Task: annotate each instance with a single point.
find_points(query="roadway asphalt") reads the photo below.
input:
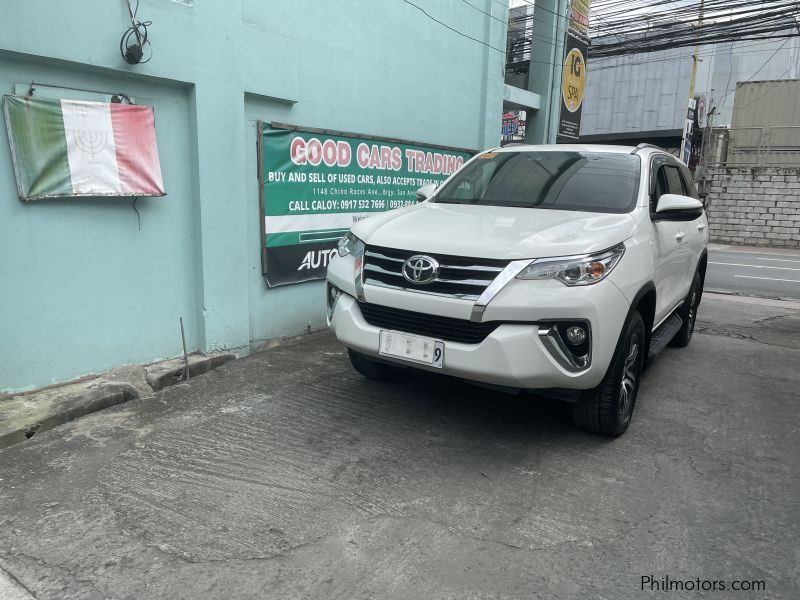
(285, 475)
(769, 272)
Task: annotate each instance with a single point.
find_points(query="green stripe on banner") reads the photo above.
(40, 146)
(282, 239)
(289, 238)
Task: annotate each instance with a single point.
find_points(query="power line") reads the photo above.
(453, 29)
(766, 62)
(666, 24)
(480, 10)
(734, 50)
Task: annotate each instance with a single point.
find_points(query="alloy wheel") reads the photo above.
(692, 309)
(627, 388)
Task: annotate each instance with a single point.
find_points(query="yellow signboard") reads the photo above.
(573, 86)
(573, 79)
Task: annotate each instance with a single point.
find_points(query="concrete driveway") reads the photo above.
(286, 475)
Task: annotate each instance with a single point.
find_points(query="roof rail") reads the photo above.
(642, 146)
(514, 144)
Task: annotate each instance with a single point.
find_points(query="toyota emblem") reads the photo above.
(420, 269)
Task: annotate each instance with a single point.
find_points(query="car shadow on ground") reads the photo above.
(491, 411)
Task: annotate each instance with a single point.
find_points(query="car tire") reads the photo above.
(607, 409)
(688, 313)
(371, 369)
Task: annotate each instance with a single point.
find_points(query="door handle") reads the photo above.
(701, 226)
(680, 235)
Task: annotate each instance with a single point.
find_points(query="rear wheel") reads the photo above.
(371, 369)
(688, 313)
(607, 409)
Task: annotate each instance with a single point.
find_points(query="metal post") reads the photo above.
(185, 355)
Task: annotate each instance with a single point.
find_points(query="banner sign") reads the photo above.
(510, 124)
(688, 130)
(78, 148)
(316, 185)
(579, 18)
(573, 85)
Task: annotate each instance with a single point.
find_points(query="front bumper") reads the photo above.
(514, 354)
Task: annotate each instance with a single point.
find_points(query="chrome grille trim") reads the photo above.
(459, 277)
(377, 269)
(475, 282)
(509, 273)
(494, 270)
(378, 255)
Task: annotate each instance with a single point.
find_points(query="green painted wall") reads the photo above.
(82, 289)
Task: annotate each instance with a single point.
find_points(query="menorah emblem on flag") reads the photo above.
(89, 141)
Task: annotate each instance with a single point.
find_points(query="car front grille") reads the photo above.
(442, 328)
(459, 276)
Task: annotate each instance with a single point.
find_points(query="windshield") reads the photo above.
(585, 181)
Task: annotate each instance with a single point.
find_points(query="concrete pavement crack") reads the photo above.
(186, 559)
(14, 580)
(183, 558)
(770, 318)
(734, 335)
(53, 566)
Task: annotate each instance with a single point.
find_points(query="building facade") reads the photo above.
(643, 97)
(89, 284)
(752, 176)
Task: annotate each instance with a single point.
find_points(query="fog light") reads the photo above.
(576, 335)
(333, 295)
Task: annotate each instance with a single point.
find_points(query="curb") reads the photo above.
(24, 416)
(170, 372)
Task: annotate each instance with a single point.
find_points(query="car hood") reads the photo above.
(500, 232)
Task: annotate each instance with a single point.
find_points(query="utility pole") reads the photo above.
(688, 126)
(696, 54)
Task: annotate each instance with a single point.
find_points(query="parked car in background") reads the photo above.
(560, 269)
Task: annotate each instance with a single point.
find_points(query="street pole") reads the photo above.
(688, 127)
(696, 54)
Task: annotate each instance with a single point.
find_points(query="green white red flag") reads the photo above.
(78, 148)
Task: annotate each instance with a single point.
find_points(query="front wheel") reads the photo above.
(607, 409)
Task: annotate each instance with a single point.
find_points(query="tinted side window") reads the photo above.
(673, 179)
(665, 180)
(688, 183)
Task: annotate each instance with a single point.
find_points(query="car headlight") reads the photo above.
(347, 245)
(585, 269)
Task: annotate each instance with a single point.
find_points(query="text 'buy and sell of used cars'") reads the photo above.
(563, 270)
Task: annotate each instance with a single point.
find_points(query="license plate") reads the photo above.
(413, 348)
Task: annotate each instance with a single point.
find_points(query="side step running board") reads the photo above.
(663, 335)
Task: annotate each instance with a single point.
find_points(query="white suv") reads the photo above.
(560, 269)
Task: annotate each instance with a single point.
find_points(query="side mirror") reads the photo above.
(425, 192)
(675, 207)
